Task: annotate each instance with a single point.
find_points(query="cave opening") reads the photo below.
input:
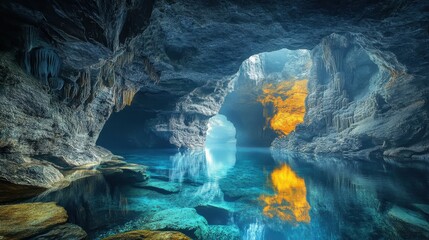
(268, 98)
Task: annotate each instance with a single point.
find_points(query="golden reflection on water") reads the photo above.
(289, 203)
(288, 100)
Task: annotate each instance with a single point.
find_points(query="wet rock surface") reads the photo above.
(122, 172)
(222, 232)
(409, 223)
(66, 231)
(29, 219)
(172, 219)
(150, 235)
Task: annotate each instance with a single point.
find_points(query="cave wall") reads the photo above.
(243, 106)
(205, 46)
(361, 100)
(65, 67)
(190, 50)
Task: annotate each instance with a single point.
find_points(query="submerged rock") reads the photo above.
(66, 231)
(213, 214)
(149, 235)
(422, 207)
(185, 220)
(408, 223)
(164, 187)
(222, 232)
(29, 219)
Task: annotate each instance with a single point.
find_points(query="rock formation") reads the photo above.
(37, 221)
(361, 100)
(66, 66)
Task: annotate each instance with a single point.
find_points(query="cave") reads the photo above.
(230, 119)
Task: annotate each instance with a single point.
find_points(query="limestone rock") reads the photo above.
(66, 231)
(222, 232)
(357, 102)
(149, 235)
(215, 215)
(121, 171)
(185, 220)
(10, 192)
(28, 171)
(163, 187)
(185, 52)
(29, 219)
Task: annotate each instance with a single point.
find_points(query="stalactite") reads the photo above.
(125, 58)
(150, 70)
(45, 63)
(29, 38)
(127, 96)
(94, 90)
(70, 91)
(84, 83)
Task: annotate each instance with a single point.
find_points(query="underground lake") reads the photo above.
(214, 120)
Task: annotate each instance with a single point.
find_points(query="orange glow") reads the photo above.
(289, 203)
(288, 99)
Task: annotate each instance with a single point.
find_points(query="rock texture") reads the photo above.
(255, 74)
(66, 231)
(361, 100)
(150, 235)
(28, 219)
(195, 47)
(172, 219)
(99, 53)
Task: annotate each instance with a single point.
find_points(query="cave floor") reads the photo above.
(255, 193)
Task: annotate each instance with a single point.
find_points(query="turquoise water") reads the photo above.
(222, 194)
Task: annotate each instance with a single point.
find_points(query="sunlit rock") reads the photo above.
(288, 100)
(185, 220)
(263, 84)
(29, 219)
(149, 235)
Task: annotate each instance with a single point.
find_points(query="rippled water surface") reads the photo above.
(256, 194)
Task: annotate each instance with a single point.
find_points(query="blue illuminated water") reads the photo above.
(348, 198)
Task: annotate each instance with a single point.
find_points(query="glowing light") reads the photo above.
(289, 203)
(288, 100)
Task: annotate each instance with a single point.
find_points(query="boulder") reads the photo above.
(66, 231)
(185, 220)
(222, 232)
(25, 220)
(149, 235)
(10, 192)
(121, 171)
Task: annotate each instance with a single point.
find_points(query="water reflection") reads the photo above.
(207, 167)
(91, 202)
(255, 231)
(289, 203)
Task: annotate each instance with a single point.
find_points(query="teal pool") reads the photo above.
(255, 193)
